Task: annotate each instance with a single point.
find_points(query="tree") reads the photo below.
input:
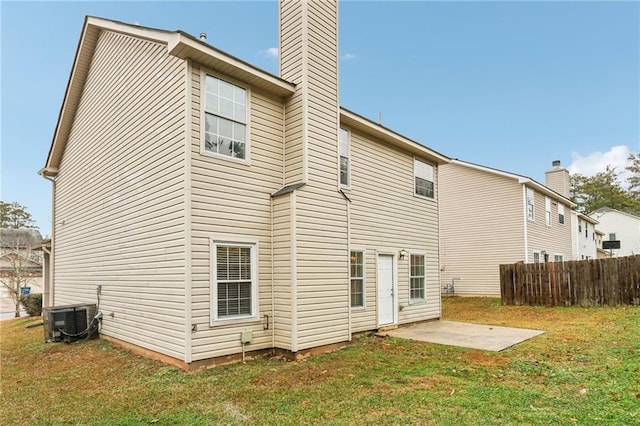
(602, 190)
(634, 179)
(15, 216)
(20, 264)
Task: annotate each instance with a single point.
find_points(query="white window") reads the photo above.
(558, 258)
(234, 283)
(612, 236)
(345, 158)
(561, 214)
(547, 210)
(530, 201)
(416, 278)
(356, 275)
(225, 116)
(423, 178)
(579, 226)
(536, 257)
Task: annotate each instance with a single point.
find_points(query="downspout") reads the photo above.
(273, 298)
(51, 175)
(526, 242)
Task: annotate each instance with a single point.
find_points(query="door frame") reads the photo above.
(394, 287)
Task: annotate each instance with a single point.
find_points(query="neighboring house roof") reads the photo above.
(185, 46)
(599, 212)
(587, 218)
(519, 178)
(19, 238)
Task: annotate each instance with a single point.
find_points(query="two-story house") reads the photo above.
(216, 208)
(619, 226)
(584, 236)
(490, 217)
(20, 265)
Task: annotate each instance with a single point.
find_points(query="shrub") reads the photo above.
(32, 304)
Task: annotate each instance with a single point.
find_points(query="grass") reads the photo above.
(584, 370)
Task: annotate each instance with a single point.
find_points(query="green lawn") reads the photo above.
(584, 370)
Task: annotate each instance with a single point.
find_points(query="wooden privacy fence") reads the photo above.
(593, 282)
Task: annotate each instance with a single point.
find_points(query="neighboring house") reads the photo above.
(17, 255)
(490, 217)
(584, 236)
(619, 226)
(600, 252)
(217, 208)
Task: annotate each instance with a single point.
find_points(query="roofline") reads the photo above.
(378, 131)
(610, 209)
(520, 178)
(178, 43)
(183, 46)
(587, 218)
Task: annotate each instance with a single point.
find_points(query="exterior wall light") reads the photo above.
(403, 254)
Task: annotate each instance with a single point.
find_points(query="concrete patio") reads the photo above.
(476, 336)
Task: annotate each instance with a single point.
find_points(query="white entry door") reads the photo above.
(386, 311)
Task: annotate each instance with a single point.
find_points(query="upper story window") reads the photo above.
(345, 159)
(547, 210)
(586, 230)
(561, 214)
(423, 178)
(356, 274)
(530, 201)
(579, 225)
(612, 236)
(225, 115)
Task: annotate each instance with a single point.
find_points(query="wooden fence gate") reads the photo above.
(593, 282)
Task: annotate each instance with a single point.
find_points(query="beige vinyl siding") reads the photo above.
(291, 69)
(320, 281)
(481, 226)
(119, 195)
(558, 181)
(554, 239)
(283, 241)
(321, 211)
(385, 218)
(321, 267)
(232, 199)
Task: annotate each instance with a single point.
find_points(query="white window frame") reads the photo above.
(536, 254)
(530, 204)
(362, 278)
(614, 236)
(559, 255)
(547, 211)
(344, 150)
(422, 170)
(213, 285)
(412, 300)
(203, 114)
(561, 217)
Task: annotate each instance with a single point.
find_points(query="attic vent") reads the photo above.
(203, 36)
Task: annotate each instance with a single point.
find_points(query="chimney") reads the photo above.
(309, 57)
(203, 36)
(557, 179)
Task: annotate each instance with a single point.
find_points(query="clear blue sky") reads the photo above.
(511, 85)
